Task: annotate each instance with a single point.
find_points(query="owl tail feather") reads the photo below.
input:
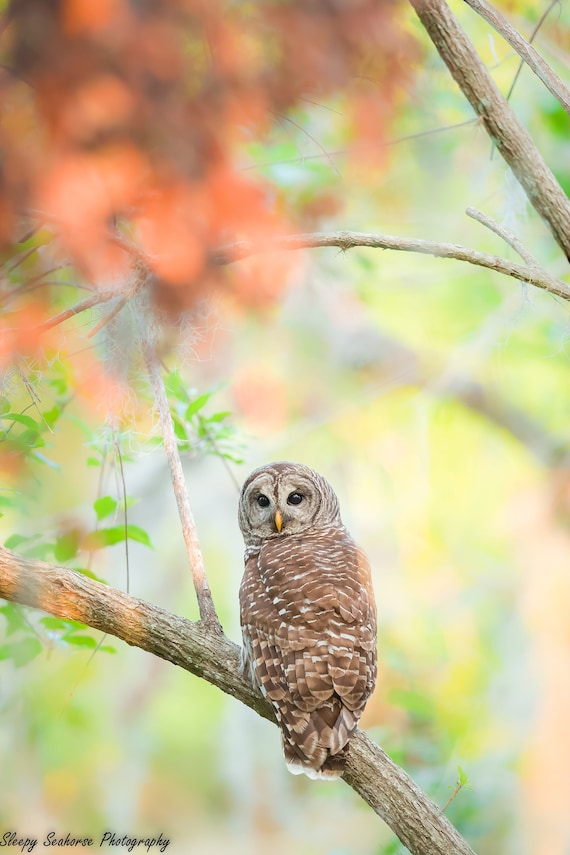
(316, 745)
(331, 770)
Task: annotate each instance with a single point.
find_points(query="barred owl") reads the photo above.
(308, 614)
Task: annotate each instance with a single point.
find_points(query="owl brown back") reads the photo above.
(308, 614)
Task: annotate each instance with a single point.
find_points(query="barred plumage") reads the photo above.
(308, 614)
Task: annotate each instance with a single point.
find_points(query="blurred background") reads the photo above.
(433, 395)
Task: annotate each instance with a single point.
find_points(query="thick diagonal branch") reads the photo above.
(512, 140)
(202, 650)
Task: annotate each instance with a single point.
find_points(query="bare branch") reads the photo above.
(108, 318)
(537, 27)
(503, 233)
(348, 240)
(196, 561)
(513, 141)
(525, 50)
(204, 651)
(89, 303)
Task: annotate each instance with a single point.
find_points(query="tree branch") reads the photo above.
(509, 238)
(524, 49)
(200, 649)
(195, 559)
(348, 240)
(512, 140)
(88, 303)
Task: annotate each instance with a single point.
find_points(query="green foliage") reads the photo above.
(21, 652)
(104, 506)
(28, 427)
(462, 779)
(116, 534)
(196, 432)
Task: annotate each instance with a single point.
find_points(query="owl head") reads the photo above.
(281, 499)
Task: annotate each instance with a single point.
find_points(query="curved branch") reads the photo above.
(525, 50)
(509, 238)
(202, 650)
(513, 141)
(348, 240)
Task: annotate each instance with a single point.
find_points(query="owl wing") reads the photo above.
(309, 626)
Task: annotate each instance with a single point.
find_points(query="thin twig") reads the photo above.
(119, 457)
(36, 400)
(348, 240)
(525, 50)
(539, 24)
(452, 796)
(312, 138)
(24, 257)
(108, 318)
(503, 233)
(196, 561)
(344, 151)
(89, 303)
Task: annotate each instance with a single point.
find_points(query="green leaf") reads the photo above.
(79, 640)
(179, 429)
(43, 551)
(85, 572)
(51, 416)
(59, 384)
(74, 625)
(104, 506)
(176, 386)
(14, 618)
(66, 545)
(106, 648)
(196, 405)
(16, 540)
(218, 417)
(462, 778)
(31, 438)
(140, 535)
(4, 405)
(110, 536)
(51, 622)
(27, 421)
(21, 652)
(93, 461)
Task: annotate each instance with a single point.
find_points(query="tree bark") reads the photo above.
(205, 651)
(345, 240)
(525, 50)
(513, 141)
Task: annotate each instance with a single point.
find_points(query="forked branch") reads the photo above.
(525, 50)
(512, 140)
(204, 651)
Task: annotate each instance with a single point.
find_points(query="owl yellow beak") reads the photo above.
(278, 520)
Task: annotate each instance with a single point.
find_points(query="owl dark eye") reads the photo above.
(294, 499)
(263, 501)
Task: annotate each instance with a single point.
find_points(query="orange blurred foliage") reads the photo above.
(131, 115)
(260, 396)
